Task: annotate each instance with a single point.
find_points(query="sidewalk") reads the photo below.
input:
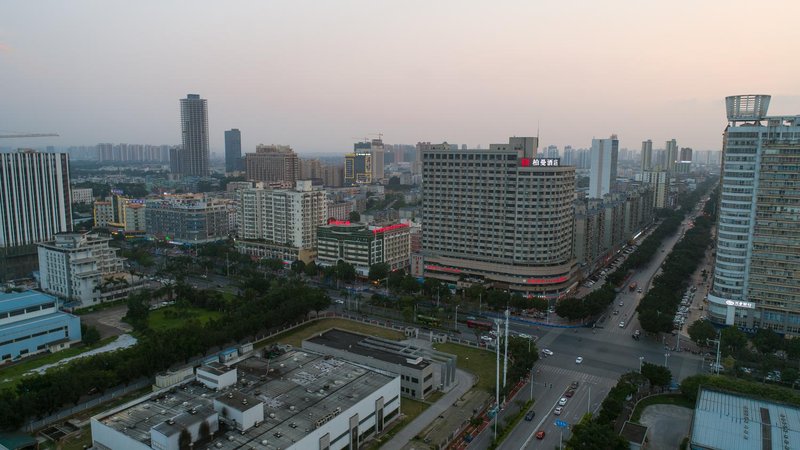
(464, 383)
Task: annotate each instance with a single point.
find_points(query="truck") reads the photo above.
(632, 286)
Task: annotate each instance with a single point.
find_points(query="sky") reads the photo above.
(319, 75)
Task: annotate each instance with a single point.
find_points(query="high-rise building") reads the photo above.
(35, 204)
(569, 156)
(358, 168)
(647, 155)
(551, 151)
(755, 280)
(603, 173)
(671, 153)
(233, 150)
(311, 169)
(686, 155)
(194, 134)
(273, 164)
(659, 180)
(499, 216)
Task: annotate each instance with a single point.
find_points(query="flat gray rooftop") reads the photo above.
(296, 388)
(392, 352)
(729, 421)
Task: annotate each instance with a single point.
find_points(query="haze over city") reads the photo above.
(319, 76)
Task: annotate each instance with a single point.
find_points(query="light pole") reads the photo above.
(531, 383)
(455, 319)
(666, 357)
(641, 359)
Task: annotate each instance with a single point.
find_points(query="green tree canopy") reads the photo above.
(701, 331)
(378, 271)
(657, 375)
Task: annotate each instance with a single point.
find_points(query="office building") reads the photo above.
(129, 216)
(35, 204)
(132, 152)
(358, 168)
(603, 175)
(31, 323)
(362, 246)
(299, 400)
(233, 150)
(77, 267)
(422, 371)
(103, 213)
(499, 216)
(731, 421)
(188, 219)
(671, 155)
(333, 176)
(273, 164)
(194, 136)
(755, 283)
(647, 155)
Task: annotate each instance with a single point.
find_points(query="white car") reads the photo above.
(547, 352)
(558, 410)
(524, 336)
(563, 401)
(487, 339)
(579, 360)
(622, 324)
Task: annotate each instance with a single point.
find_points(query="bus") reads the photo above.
(477, 324)
(428, 320)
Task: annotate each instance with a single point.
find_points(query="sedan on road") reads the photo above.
(579, 360)
(530, 416)
(540, 434)
(563, 401)
(622, 324)
(558, 410)
(547, 352)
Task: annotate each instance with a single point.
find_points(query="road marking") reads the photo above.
(539, 425)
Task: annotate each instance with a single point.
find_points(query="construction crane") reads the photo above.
(27, 135)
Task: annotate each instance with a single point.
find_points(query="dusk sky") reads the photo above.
(318, 75)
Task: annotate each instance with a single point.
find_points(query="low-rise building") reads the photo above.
(362, 246)
(82, 195)
(422, 371)
(31, 323)
(295, 401)
(80, 267)
(103, 213)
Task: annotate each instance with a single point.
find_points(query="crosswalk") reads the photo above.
(569, 375)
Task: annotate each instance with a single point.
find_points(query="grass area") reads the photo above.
(174, 317)
(664, 399)
(480, 363)
(9, 376)
(410, 409)
(296, 336)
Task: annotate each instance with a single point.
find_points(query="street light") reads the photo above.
(455, 319)
(666, 356)
(641, 359)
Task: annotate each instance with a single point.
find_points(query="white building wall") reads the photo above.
(113, 439)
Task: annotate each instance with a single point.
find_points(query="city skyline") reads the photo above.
(423, 73)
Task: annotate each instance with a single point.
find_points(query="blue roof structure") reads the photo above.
(17, 300)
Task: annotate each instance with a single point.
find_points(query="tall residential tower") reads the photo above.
(603, 174)
(194, 135)
(758, 238)
(233, 150)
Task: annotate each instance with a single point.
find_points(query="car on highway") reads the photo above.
(339, 301)
(622, 324)
(540, 434)
(547, 352)
(574, 385)
(563, 401)
(558, 410)
(579, 360)
(524, 336)
(639, 290)
(621, 303)
(569, 393)
(487, 339)
(616, 312)
(530, 416)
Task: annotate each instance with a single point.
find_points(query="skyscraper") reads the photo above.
(35, 202)
(499, 216)
(603, 173)
(755, 280)
(686, 154)
(194, 134)
(233, 150)
(671, 151)
(273, 164)
(647, 155)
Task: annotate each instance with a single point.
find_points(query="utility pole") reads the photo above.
(497, 377)
(455, 319)
(531, 382)
(505, 352)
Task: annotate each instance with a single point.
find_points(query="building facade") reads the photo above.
(194, 136)
(74, 266)
(363, 246)
(189, 219)
(103, 213)
(233, 150)
(35, 204)
(282, 216)
(500, 217)
(660, 182)
(273, 163)
(603, 173)
(671, 155)
(647, 155)
(82, 195)
(358, 168)
(31, 323)
(758, 236)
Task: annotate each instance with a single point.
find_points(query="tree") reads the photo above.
(378, 271)
(657, 375)
(311, 269)
(354, 216)
(298, 267)
(539, 304)
(732, 340)
(592, 434)
(701, 331)
(89, 335)
(345, 271)
(571, 308)
(767, 341)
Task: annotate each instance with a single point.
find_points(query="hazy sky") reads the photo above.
(318, 74)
